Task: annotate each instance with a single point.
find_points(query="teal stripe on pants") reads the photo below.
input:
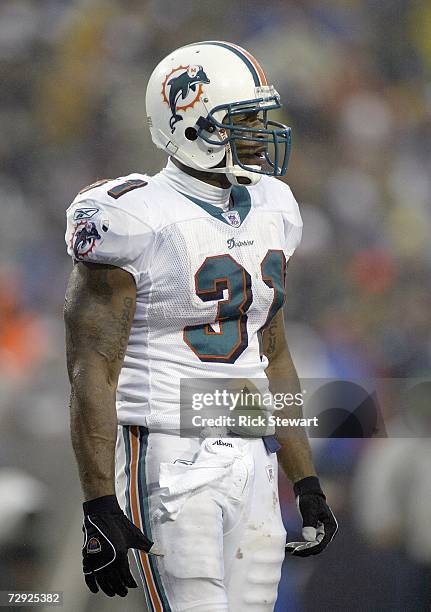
(126, 438)
(145, 513)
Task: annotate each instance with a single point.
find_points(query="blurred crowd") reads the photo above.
(355, 79)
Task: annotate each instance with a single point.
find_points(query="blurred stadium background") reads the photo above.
(355, 77)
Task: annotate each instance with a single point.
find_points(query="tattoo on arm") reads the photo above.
(99, 309)
(109, 335)
(295, 454)
(271, 339)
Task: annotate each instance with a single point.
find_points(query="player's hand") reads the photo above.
(319, 525)
(108, 534)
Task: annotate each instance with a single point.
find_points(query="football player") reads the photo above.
(178, 276)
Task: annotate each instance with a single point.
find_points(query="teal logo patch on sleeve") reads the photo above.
(84, 238)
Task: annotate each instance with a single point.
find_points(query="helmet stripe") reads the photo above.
(256, 71)
(254, 61)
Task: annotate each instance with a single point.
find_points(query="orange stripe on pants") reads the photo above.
(134, 494)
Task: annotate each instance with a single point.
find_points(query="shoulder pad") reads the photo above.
(111, 190)
(101, 230)
(275, 195)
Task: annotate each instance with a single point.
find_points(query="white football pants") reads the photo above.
(212, 509)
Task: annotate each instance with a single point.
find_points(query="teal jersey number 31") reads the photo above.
(222, 272)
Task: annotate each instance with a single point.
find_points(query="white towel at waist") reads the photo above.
(178, 481)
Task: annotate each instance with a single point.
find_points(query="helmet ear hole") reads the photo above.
(190, 133)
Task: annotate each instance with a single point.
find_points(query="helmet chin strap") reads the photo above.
(248, 178)
(234, 172)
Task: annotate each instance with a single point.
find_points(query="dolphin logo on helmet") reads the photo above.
(188, 80)
(209, 135)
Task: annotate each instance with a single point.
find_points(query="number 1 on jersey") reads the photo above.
(273, 269)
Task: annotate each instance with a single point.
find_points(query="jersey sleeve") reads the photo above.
(107, 234)
(292, 221)
(284, 201)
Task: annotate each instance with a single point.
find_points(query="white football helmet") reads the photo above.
(192, 98)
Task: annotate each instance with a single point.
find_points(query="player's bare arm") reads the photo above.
(99, 308)
(319, 525)
(295, 454)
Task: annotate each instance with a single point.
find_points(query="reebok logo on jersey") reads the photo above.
(221, 443)
(84, 213)
(231, 243)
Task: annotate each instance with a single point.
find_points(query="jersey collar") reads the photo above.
(235, 215)
(192, 187)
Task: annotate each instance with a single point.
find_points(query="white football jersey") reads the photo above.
(207, 281)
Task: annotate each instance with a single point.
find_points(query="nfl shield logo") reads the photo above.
(232, 217)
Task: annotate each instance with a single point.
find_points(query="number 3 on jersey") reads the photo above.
(220, 273)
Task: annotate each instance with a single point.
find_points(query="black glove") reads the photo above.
(319, 525)
(108, 534)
